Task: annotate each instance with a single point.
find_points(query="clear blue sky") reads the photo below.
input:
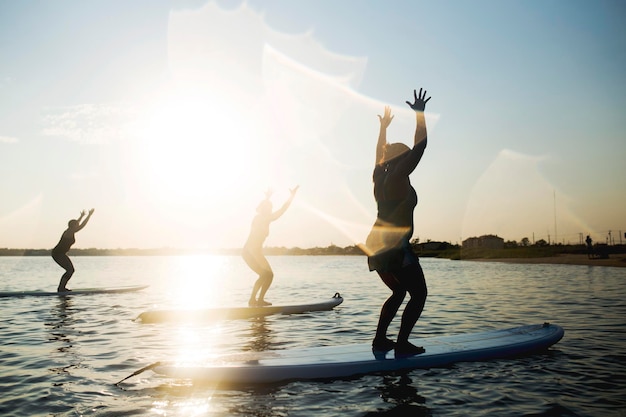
(171, 118)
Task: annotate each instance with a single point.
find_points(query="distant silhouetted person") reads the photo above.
(59, 252)
(388, 243)
(253, 249)
(589, 247)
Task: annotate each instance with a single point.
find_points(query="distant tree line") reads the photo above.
(329, 250)
(511, 249)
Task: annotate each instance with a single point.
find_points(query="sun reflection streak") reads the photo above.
(199, 284)
(195, 347)
(188, 407)
(197, 281)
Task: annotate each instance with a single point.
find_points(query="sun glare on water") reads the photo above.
(199, 281)
(198, 285)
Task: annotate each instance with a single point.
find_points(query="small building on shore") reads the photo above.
(485, 242)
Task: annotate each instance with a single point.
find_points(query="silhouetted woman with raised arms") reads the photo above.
(253, 248)
(59, 252)
(388, 243)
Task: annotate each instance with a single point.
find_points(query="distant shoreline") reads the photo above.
(330, 250)
(616, 260)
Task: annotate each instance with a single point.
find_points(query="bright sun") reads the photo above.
(189, 148)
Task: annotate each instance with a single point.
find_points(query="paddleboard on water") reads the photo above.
(76, 291)
(209, 314)
(357, 359)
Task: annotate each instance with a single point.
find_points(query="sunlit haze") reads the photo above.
(172, 119)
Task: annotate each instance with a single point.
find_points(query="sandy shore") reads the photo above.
(618, 260)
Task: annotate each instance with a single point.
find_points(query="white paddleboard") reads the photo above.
(76, 291)
(210, 314)
(357, 359)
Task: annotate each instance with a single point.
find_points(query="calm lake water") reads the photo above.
(61, 356)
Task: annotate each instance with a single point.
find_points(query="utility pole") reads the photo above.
(555, 235)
